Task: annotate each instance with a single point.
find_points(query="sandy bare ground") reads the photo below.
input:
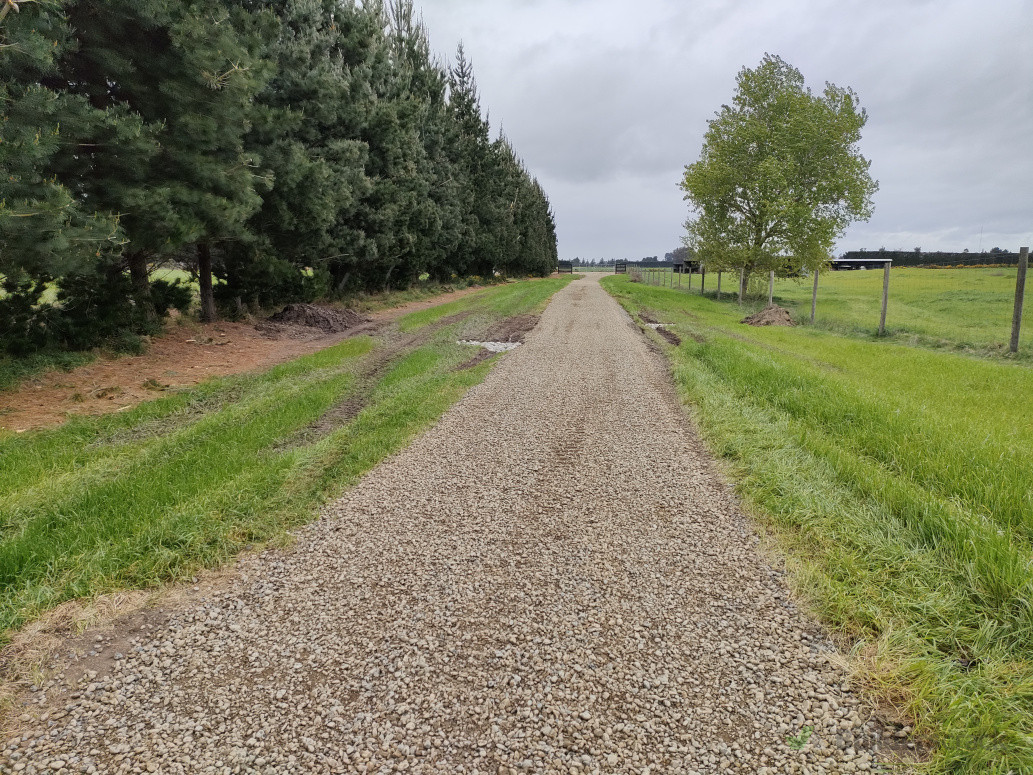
(553, 579)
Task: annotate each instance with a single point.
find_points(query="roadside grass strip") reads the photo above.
(184, 482)
(894, 481)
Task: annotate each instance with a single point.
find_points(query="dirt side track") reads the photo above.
(553, 579)
(186, 354)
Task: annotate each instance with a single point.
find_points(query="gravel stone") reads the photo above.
(554, 579)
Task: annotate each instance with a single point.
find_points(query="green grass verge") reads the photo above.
(489, 304)
(897, 483)
(137, 499)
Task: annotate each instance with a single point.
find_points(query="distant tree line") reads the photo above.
(918, 257)
(652, 261)
(281, 150)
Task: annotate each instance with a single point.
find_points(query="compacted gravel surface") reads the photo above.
(553, 579)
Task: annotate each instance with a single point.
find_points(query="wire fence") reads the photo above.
(967, 308)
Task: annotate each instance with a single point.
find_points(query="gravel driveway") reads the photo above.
(553, 579)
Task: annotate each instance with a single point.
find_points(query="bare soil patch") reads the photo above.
(770, 316)
(392, 313)
(185, 355)
(670, 336)
(512, 329)
(477, 360)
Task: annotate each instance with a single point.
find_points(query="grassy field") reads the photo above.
(136, 499)
(968, 309)
(896, 480)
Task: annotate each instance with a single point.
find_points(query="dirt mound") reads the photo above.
(512, 329)
(770, 316)
(326, 319)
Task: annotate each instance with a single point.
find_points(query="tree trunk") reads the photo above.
(204, 279)
(341, 284)
(743, 279)
(138, 275)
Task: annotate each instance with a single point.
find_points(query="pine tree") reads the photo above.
(468, 146)
(189, 71)
(306, 133)
(288, 148)
(45, 233)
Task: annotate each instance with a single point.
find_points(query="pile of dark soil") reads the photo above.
(512, 329)
(770, 316)
(326, 319)
(670, 336)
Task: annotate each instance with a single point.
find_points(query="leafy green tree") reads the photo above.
(780, 176)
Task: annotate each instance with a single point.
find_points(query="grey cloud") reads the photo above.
(607, 102)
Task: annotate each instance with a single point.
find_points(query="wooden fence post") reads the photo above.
(814, 296)
(885, 297)
(771, 288)
(1020, 297)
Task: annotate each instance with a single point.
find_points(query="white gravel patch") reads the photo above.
(493, 347)
(507, 595)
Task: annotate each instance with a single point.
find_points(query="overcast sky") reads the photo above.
(607, 101)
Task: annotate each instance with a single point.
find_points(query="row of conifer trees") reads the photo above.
(282, 150)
